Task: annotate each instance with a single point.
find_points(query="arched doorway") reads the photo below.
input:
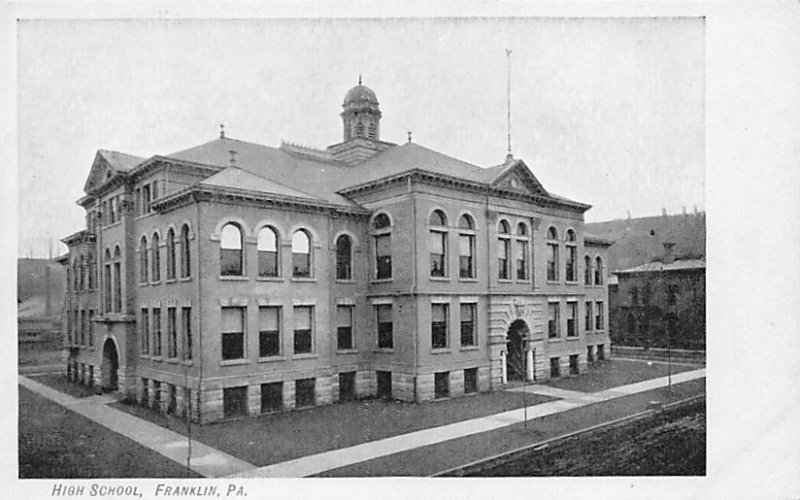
(110, 366)
(515, 347)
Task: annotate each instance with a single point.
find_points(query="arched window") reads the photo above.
(598, 271)
(587, 270)
(466, 247)
(521, 251)
(156, 275)
(230, 254)
(92, 273)
(344, 258)
(504, 250)
(373, 131)
(117, 280)
(143, 261)
(301, 254)
(82, 271)
(171, 254)
(75, 276)
(552, 254)
(359, 129)
(267, 252)
(438, 239)
(572, 256)
(382, 235)
(185, 252)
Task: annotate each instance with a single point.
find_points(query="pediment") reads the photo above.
(100, 172)
(518, 177)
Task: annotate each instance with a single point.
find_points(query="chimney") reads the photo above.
(668, 256)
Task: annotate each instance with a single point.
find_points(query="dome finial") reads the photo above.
(359, 78)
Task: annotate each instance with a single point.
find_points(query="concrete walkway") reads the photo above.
(206, 460)
(316, 464)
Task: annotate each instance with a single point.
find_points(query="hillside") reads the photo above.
(638, 241)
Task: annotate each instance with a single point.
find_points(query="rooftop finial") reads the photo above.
(221, 130)
(233, 158)
(359, 78)
(409, 137)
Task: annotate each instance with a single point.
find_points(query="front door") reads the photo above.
(515, 359)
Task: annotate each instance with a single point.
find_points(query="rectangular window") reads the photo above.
(555, 368)
(271, 397)
(157, 331)
(572, 263)
(572, 319)
(441, 385)
(91, 327)
(599, 320)
(573, 364)
(301, 264)
(521, 257)
(344, 327)
(138, 201)
(470, 380)
(186, 324)
(303, 324)
(590, 354)
(83, 326)
(347, 386)
(466, 258)
(553, 320)
(117, 287)
(108, 288)
(383, 313)
(267, 263)
(383, 256)
(438, 245)
(384, 384)
(552, 262)
(146, 199)
(468, 325)
(145, 331)
(104, 213)
(269, 331)
(234, 401)
(172, 332)
(155, 190)
(233, 332)
(304, 392)
(439, 326)
(588, 319)
(503, 251)
(601, 352)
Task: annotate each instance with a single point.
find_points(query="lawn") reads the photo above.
(617, 372)
(60, 383)
(669, 443)
(270, 439)
(55, 442)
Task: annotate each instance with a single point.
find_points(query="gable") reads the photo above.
(518, 177)
(100, 172)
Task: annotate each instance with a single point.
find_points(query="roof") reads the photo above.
(120, 161)
(591, 239)
(676, 265)
(360, 93)
(235, 178)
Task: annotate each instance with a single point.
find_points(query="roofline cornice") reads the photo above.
(433, 178)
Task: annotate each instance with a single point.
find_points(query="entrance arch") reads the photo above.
(110, 366)
(515, 347)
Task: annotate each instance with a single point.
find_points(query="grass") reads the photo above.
(55, 442)
(38, 354)
(669, 443)
(617, 372)
(279, 437)
(59, 382)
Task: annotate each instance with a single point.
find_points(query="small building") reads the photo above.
(660, 304)
(233, 278)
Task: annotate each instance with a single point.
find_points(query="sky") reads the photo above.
(609, 112)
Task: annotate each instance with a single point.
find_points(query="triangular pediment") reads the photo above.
(518, 177)
(100, 172)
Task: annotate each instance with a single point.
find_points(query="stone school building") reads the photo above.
(234, 278)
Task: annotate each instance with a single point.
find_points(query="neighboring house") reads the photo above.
(242, 279)
(660, 304)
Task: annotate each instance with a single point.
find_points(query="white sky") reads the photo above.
(605, 111)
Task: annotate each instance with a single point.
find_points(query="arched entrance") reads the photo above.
(110, 366)
(515, 347)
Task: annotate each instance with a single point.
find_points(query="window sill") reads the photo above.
(525, 281)
(172, 360)
(346, 282)
(185, 278)
(468, 280)
(505, 280)
(157, 282)
(385, 350)
(232, 362)
(170, 280)
(271, 359)
(573, 338)
(234, 278)
(347, 351)
(441, 350)
(469, 348)
(550, 282)
(156, 358)
(144, 284)
(554, 339)
(305, 355)
(303, 279)
(440, 278)
(381, 280)
(269, 278)
(187, 362)
(572, 283)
